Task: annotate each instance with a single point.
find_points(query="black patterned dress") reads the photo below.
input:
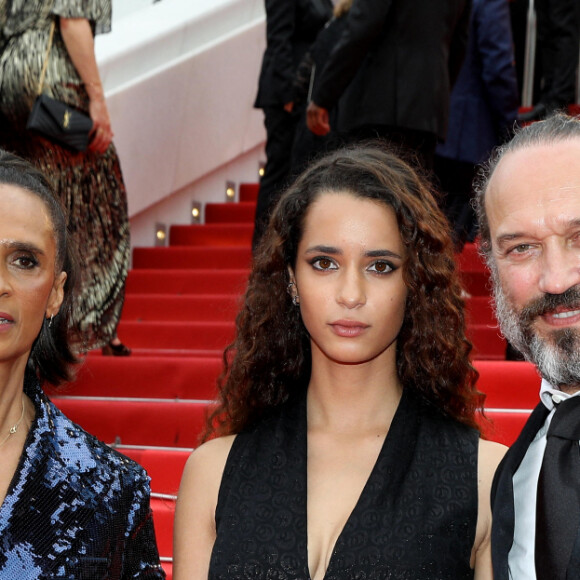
(90, 184)
(415, 518)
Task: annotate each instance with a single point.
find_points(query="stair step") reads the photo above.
(479, 310)
(196, 307)
(160, 423)
(503, 426)
(216, 258)
(152, 352)
(487, 342)
(211, 338)
(168, 377)
(508, 384)
(249, 191)
(164, 466)
(215, 235)
(469, 260)
(476, 283)
(172, 335)
(241, 212)
(184, 281)
(163, 514)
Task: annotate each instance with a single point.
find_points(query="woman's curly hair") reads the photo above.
(270, 360)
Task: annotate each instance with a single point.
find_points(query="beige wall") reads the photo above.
(180, 78)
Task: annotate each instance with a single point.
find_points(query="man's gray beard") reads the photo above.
(556, 356)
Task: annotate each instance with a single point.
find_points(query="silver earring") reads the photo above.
(50, 321)
(295, 297)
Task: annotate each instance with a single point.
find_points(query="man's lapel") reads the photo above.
(502, 493)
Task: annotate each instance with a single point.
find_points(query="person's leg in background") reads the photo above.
(280, 129)
(558, 45)
(564, 46)
(455, 179)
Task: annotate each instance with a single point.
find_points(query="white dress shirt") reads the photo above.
(525, 480)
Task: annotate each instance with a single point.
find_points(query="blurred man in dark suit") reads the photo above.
(391, 73)
(291, 27)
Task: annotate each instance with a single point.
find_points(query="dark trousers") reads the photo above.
(558, 25)
(280, 131)
(456, 185)
(308, 147)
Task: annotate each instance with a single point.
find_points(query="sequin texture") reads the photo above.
(75, 509)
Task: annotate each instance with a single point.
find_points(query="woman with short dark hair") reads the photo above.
(70, 507)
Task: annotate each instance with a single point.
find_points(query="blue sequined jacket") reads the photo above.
(75, 509)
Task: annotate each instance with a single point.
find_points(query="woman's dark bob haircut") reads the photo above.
(269, 360)
(52, 357)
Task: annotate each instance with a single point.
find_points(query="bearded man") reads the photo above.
(528, 204)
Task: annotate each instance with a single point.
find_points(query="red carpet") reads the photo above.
(186, 281)
(181, 303)
(184, 257)
(190, 307)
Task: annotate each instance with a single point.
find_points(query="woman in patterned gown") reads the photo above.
(344, 444)
(90, 183)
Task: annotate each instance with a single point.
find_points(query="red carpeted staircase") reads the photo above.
(180, 306)
(179, 313)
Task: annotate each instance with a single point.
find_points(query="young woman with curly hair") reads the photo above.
(344, 444)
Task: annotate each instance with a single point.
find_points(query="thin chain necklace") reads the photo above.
(14, 427)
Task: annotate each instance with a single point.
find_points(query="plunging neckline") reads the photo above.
(396, 424)
(403, 523)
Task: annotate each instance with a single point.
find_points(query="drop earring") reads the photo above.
(295, 297)
(50, 321)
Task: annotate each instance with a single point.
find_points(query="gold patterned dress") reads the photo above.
(90, 184)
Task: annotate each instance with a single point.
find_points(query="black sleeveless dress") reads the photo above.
(415, 518)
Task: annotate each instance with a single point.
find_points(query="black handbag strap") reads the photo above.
(45, 63)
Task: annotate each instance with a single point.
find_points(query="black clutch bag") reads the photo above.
(56, 120)
(60, 123)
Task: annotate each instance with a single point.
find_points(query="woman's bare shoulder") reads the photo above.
(490, 454)
(194, 528)
(209, 459)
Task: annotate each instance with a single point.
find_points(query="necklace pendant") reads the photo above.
(13, 429)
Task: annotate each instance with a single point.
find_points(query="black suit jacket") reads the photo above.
(502, 500)
(395, 63)
(291, 27)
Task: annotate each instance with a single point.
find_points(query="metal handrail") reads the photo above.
(529, 58)
(167, 496)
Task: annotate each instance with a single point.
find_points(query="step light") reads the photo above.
(160, 234)
(195, 212)
(230, 191)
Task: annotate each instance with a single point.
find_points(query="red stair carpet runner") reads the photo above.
(179, 313)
